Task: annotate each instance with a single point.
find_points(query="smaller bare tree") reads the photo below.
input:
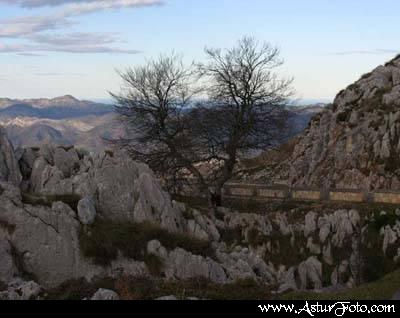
(153, 106)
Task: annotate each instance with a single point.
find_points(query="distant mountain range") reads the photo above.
(63, 120)
(66, 120)
(56, 108)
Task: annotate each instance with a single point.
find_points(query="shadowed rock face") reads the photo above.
(9, 169)
(354, 143)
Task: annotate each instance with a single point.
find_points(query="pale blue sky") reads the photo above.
(74, 46)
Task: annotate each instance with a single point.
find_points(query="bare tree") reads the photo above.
(153, 106)
(246, 110)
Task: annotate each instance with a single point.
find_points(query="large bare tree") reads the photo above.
(246, 108)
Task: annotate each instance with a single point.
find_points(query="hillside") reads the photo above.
(353, 143)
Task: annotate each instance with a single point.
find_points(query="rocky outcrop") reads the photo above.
(121, 189)
(19, 289)
(354, 143)
(181, 264)
(310, 272)
(8, 269)
(9, 168)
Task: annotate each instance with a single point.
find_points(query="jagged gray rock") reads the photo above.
(181, 264)
(86, 211)
(8, 268)
(67, 161)
(310, 271)
(9, 168)
(105, 294)
(353, 143)
(21, 290)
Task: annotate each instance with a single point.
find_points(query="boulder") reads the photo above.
(19, 289)
(170, 297)
(310, 272)
(44, 238)
(86, 211)
(67, 161)
(105, 294)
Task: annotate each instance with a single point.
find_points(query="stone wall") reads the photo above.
(306, 195)
(346, 196)
(260, 191)
(386, 197)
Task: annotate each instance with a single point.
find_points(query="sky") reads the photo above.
(50, 48)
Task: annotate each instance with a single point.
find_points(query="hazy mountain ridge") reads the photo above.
(66, 120)
(63, 120)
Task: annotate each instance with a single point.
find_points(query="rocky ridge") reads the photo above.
(353, 143)
(50, 196)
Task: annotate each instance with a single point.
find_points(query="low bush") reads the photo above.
(105, 239)
(47, 200)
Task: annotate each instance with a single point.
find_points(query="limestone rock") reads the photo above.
(67, 161)
(9, 168)
(21, 290)
(310, 271)
(8, 268)
(181, 264)
(170, 297)
(310, 223)
(105, 294)
(353, 143)
(86, 211)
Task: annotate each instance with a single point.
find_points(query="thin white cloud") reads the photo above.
(42, 3)
(83, 6)
(78, 38)
(60, 74)
(30, 54)
(35, 48)
(25, 26)
(36, 28)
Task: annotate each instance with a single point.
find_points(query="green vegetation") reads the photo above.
(10, 228)
(231, 236)
(109, 153)
(343, 116)
(3, 286)
(47, 200)
(382, 289)
(142, 288)
(102, 242)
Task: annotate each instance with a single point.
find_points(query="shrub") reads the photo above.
(145, 288)
(105, 238)
(47, 200)
(231, 236)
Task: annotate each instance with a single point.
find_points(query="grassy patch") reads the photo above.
(231, 236)
(48, 200)
(10, 228)
(382, 289)
(77, 289)
(104, 239)
(143, 288)
(3, 286)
